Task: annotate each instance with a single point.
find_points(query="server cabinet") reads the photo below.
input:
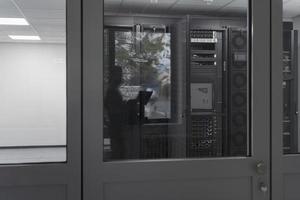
(290, 89)
(237, 93)
(206, 79)
(218, 81)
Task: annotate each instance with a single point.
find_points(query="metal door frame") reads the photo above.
(276, 100)
(95, 171)
(66, 176)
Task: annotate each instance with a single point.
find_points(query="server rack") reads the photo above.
(216, 98)
(204, 137)
(237, 92)
(218, 114)
(290, 89)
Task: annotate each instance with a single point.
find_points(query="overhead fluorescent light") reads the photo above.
(154, 1)
(208, 2)
(25, 37)
(14, 21)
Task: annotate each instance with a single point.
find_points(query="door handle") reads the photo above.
(263, 187)
(261, 168)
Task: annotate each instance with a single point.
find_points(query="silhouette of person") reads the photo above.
(116, 111)
(124, 117)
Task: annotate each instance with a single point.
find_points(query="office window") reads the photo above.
(32, 81)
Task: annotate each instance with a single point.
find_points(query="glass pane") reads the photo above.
(291, 25)
(32, 81)
(175, 79)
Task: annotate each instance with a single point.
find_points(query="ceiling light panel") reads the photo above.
(200, 4)
(14, 21)
(25, 37)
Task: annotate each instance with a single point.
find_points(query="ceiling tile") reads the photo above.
(13, 13)
(112, 5)
(6, 4)
(112, 1)
(291, 8)
(147, 5)
(8, 9)
(44, 14)
(42, 4)
(196, 5)
(238, 4)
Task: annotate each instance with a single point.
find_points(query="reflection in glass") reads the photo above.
(145, 60)
(175, 79)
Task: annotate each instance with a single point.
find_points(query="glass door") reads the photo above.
(175, 99)
(40, 106)
(285, 99)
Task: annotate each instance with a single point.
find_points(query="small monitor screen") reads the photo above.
(202, 96)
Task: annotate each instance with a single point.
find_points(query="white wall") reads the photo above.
(32, 94)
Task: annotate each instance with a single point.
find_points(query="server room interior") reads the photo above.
(177, 85)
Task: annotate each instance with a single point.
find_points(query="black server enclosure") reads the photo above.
(290, 89)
